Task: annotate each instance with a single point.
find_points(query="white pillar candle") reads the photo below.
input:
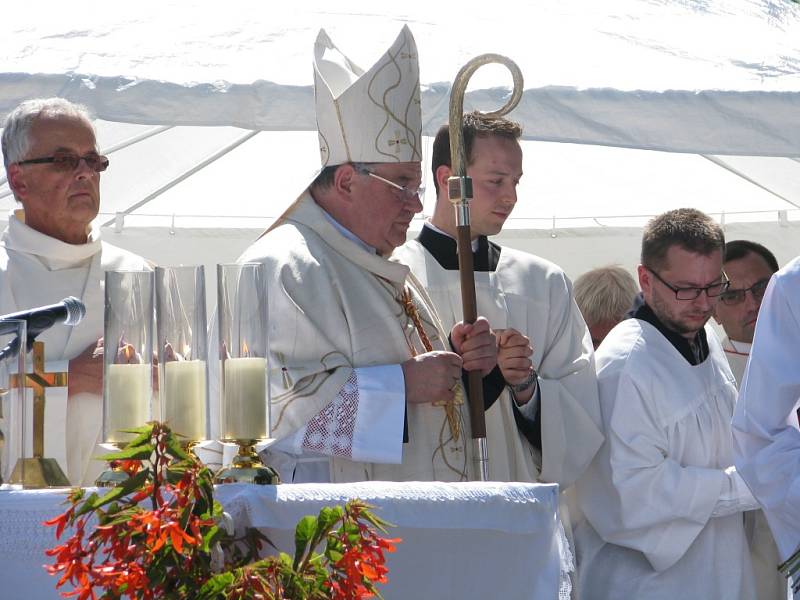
(129, 389)
(185, 398)
(245, 407)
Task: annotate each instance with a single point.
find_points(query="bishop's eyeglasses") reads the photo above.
(66, 162)
(692, 293)
(405, 192)
(734, 297)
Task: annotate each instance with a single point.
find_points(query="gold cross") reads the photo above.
(39, 380)
(397, 141)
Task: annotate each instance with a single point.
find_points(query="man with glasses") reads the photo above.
(365, 385)
(49, 251)
(663, 502)
(749, 266)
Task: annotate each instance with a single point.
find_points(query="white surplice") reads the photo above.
(37, 270)
(338, 335)
(533, 296)
(651, 491)
(765, 424)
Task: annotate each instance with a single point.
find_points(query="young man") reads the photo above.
(357, 352)
(749, 267)
(544, 425)
(51, 250)
(662, 500)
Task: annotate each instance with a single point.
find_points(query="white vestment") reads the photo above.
(534, 297)
(652, 491)
(37, 270)
(338, 334)
(737, 354)
(765, 424)
(771, 584)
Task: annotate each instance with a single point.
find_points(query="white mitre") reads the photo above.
(368, 117)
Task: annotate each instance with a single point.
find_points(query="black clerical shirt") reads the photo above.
(694, 351)
(444, 249)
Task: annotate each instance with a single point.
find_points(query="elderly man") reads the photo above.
(50, 250)
(604, 296)
(359, 357)
(662, 497)
(545, 425)
(749, 266)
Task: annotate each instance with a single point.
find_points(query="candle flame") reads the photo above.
(245, 350)
(128, 352)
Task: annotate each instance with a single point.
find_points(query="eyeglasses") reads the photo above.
(68, 161)
(406, 192)
(691, 293)
(734, 297)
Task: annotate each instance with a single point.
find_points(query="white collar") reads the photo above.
(740, 347)
(52, 253)
(474, 242)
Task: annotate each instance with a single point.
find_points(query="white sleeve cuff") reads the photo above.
(378, 435)
(735, 496)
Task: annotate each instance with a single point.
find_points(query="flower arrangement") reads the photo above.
(160, 534)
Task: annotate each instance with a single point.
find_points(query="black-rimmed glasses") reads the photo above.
(692, 293)
(406, 192)
(734, 297)
(69, 161)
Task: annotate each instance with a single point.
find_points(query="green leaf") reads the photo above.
(328, 517)
(215, 586)
(303, 533)
(94, 501)
(142, 452)
(174, 447)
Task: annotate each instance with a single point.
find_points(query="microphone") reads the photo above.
(70, 311)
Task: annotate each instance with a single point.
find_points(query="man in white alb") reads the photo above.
(663, 502)
(364, 382)
(50, 250)
(544, 424)
(749, 266)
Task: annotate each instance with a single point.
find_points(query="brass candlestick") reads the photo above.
(247, 467)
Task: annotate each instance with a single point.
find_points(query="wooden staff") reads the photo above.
(459, 187)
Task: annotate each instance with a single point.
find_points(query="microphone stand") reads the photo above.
(459, 188)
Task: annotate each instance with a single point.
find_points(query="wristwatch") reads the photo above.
(525, 385)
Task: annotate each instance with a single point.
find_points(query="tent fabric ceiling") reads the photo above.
(633, 73)
(630, 108)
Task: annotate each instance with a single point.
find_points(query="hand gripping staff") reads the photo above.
(459, 188)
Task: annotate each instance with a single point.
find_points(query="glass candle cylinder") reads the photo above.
(182, 350)
(242, 316)
(128, 353)
(15, 414)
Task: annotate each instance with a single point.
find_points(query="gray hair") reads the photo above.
(16, 129)
(605, 294)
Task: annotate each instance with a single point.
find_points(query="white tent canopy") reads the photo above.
(630, 108)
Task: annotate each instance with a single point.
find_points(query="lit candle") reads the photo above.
(129, 388)
(185, 398)
(245, 408)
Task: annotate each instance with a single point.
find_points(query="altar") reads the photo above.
(460, 540)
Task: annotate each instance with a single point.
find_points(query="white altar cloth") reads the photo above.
(460, 540)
